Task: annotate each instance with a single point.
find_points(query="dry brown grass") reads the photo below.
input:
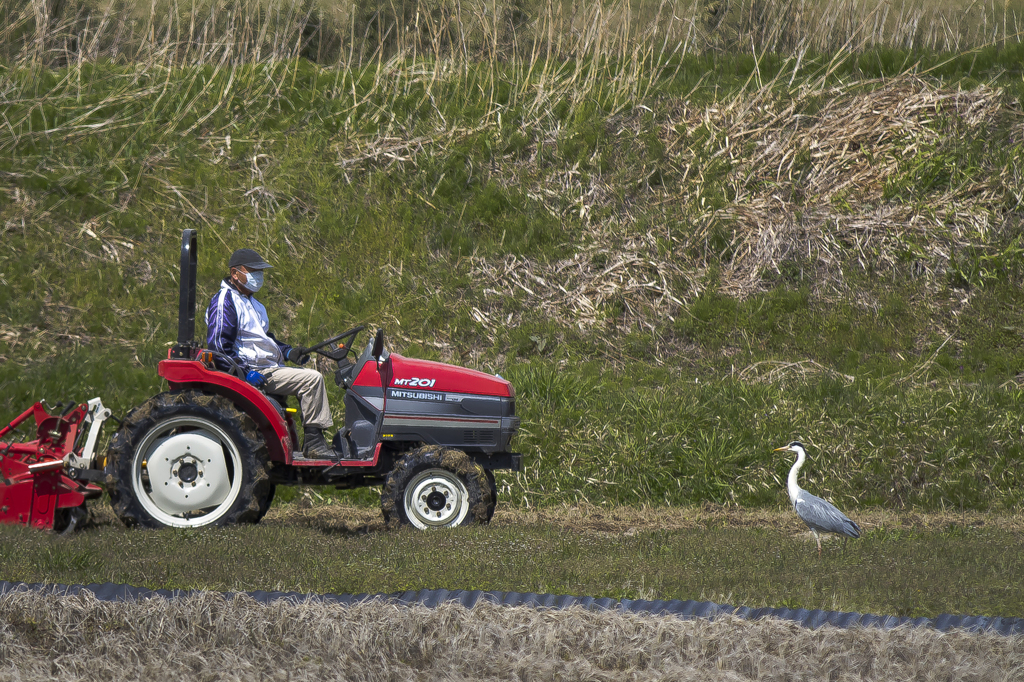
(206, 636)
(342, 30)
(577, 288)
(806, 172)
(789, 190)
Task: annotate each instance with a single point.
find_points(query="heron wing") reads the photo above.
(821, 515)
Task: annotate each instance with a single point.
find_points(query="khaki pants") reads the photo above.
(308, 385)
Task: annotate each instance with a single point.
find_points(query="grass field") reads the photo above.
(687, 233)
(905, 564)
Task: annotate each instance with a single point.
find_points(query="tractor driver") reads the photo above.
(238, 326)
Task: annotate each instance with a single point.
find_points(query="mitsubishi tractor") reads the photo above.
(212, 449)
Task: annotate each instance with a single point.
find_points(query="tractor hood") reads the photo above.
(437, 376)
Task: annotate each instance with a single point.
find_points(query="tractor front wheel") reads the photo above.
(436, 487)
(188, 459)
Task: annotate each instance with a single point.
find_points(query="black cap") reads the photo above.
(249, 259)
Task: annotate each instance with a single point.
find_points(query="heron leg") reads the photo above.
(817, 538)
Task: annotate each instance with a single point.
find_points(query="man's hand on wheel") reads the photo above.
(256, 379)
(298, 355)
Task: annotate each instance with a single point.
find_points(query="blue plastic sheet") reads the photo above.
(470, 598)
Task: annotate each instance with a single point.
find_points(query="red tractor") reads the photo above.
(212, 448)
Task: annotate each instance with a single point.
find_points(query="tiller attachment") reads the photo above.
(44, 481)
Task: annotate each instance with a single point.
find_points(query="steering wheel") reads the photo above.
(333, 350)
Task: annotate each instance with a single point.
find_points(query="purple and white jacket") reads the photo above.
(238, 326)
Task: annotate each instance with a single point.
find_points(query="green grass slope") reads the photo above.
(680, 261)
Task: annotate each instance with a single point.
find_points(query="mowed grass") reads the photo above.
(206, 635)
(903, 565)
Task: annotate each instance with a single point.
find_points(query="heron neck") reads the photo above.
(794, 488)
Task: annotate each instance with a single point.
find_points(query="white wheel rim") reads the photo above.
(436, 498)
(181, 474)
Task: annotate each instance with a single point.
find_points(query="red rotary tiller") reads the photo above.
(46, 480)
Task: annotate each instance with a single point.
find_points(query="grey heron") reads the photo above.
(819, 515)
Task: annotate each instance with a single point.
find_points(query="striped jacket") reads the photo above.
(238, 326)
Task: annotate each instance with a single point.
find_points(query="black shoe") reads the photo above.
(314, 446)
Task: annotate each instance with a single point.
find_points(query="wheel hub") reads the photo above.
(188, 470)
(187, 473)
(436, 498)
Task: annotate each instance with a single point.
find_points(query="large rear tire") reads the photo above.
(436, 487)
(188, 459)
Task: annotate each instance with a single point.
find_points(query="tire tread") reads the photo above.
(256, 485)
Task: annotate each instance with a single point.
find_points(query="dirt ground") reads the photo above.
(594, 519)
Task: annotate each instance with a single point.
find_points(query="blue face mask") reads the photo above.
(254, 280)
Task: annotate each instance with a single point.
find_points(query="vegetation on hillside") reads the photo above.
(682, 251)
(363, 31)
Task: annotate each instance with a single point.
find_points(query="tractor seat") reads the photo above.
(208, 361)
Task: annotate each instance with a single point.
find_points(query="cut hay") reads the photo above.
(206, 636)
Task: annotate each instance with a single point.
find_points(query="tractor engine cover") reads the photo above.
(441, 404)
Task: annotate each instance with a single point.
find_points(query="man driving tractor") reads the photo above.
(238, 326)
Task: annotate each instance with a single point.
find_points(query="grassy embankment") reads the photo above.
(681, 257)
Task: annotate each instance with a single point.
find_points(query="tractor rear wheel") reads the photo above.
(436, 487)
(188, 459)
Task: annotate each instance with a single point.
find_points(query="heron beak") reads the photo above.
(784, 448)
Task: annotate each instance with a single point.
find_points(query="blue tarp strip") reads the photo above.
(470, 598)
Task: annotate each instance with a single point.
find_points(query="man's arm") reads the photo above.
(296, 354)
(282, 346)
(222, 328)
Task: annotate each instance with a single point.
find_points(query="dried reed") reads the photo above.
(355, 32)
(209, 637)
(793, 175)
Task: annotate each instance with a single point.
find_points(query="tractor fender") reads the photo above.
(192, 374)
